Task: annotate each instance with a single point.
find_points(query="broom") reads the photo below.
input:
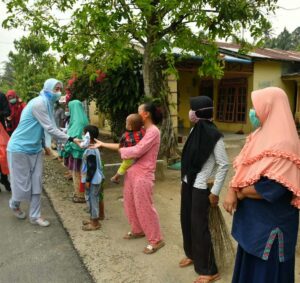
(221, 239)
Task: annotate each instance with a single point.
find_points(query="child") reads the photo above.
(92, 177)
(133, 134)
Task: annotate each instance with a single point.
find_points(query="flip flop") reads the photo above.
(152, 248)
(208, 278)
(131, 236)
(90, 227)
(185, 262)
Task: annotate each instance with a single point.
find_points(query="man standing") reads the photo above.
(4, 112)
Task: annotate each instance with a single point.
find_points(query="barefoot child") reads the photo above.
(133, 134)
(92, 177)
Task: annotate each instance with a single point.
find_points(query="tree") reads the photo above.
(117, 92)
(106, 31)
(30, 66)
(7, 79)
(285, 40)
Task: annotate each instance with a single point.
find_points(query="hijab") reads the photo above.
(202, 139)
(49, 99)
(78, 120)
(15, 110)
(273, 150)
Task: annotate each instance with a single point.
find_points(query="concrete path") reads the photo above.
(31, 254)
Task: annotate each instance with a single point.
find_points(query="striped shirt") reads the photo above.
(216, 167)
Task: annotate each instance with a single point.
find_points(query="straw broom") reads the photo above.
(221, 239)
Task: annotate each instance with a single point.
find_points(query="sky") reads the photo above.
(286, 16)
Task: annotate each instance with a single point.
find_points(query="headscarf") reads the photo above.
(202, 139)
(49, 99)
(273, 150)
(15, 110)
(78, 120)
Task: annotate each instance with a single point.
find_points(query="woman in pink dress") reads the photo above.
(139, 181)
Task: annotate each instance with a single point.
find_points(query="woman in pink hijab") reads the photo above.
(264, 193)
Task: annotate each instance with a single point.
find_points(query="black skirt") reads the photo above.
(252, 269)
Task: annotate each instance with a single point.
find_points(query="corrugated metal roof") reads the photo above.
(228, 58)
(261, 53)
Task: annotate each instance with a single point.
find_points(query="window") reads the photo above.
(232, 101)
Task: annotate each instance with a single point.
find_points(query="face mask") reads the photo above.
(56, 96)
(13, 101)
(253, 119)
(192, 116)
(67, 114)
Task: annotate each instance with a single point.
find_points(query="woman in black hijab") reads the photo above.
(203, 157)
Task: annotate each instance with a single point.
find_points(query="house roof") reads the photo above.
(228, 58)
(259, 53)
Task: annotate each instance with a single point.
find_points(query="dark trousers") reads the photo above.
(194, 224)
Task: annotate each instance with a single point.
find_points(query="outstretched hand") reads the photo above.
(77, 141)
(97, 144)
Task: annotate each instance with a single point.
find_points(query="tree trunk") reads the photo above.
(156, 86)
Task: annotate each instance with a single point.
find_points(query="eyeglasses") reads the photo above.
(57, 88)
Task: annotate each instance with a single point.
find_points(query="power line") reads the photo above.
(289, 9)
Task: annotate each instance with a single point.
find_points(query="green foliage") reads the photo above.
(103, 31)
(285, 40)
(117, 93)
(29, 67)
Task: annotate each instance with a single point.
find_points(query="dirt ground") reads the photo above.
(107, 256)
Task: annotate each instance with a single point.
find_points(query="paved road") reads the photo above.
(31, 254)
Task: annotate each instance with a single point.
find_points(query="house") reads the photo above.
(260, 68)
(231, 94)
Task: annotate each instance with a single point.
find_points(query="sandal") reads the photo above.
(90, 227)
(208, 278)
(185, 262)
(78, 200)
(150, 249)
(86, 222)
(130, 236)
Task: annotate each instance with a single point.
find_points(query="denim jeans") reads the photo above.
(92, 199)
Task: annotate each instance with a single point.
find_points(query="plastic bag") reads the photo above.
(4, 138)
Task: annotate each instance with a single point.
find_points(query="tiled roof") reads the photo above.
(260, 53)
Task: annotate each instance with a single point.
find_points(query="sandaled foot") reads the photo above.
(86, 222)
(185, 262)
(152, 248)
(130, 236)
(208, 278)
(90, 227)
(78, 200)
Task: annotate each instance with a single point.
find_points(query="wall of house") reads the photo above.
(269, 74)
(188, 86)
(235, 127)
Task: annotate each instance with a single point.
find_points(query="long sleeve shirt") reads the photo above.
(216, 167)
(257, 223)
(28, 136)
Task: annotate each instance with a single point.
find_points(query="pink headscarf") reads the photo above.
(273, 150)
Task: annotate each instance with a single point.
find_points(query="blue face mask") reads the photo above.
(253, 119)
(56, 96)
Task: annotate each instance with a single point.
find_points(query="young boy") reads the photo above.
(133, 134)
(92, 177)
